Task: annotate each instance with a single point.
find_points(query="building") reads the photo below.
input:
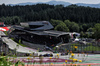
(38, 33)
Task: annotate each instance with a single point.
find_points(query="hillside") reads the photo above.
(53, 2)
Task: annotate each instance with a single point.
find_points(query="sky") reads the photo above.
(34, 1)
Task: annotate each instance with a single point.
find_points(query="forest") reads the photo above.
(39, 12)
(71, 18)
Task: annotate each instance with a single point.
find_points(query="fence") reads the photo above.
(79, 47)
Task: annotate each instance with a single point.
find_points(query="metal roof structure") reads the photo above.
(37, 25)
(44, 30)
(49, 33)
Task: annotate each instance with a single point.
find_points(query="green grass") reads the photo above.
(12, 39)
(92, 48)
(22, 44)
(6, 32)
(4, 62)
(19, 43)
(89, 44)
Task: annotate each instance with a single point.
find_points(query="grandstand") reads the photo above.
(38, 33)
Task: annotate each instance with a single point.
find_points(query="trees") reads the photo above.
(78, 14)
(59, 25)
(68, 23)
(82, 34)
(84, 26)
(74, 27)
(97, 31)
(55, 22)
(62, 27)
(15, 20)
(11, 20)
(90, 32)
(90, 29)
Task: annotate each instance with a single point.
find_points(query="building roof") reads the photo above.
(49, 33)
(41, 32)
(37, 25)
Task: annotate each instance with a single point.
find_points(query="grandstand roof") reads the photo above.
(40, 32)
(49, 32)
